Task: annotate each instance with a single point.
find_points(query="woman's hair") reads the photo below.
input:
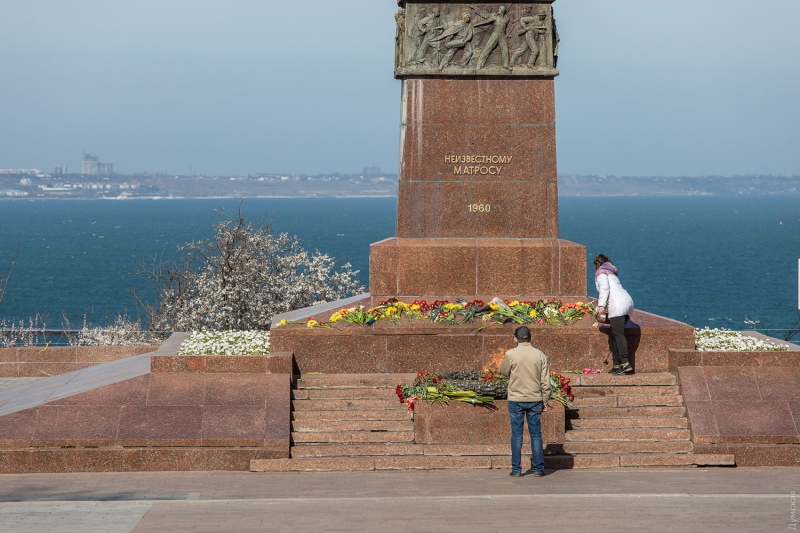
(600, 259)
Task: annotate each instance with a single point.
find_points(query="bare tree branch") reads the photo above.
(4, 279)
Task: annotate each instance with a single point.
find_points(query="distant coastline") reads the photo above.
(169, 187)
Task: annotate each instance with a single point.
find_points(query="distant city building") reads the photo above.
(20, 171)
(92, 166)
(371, 171)
(60, 170)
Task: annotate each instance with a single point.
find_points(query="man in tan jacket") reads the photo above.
(528, 393)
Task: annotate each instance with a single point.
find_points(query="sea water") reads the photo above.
(702, 260)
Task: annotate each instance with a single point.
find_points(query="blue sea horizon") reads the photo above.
(705, 260)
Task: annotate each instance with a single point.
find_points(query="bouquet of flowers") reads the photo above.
(560, 389)
(431, 387)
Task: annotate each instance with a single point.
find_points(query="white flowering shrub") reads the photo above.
(226, 343)
(241, 278)
(121, 331)
(725, 340)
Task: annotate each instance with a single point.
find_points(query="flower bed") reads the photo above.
(724, 340)
(226, 343)
(498, 311)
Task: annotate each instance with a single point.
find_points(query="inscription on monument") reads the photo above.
(473, 165)
(511, 39)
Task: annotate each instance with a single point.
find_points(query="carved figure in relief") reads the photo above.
(427, 29)
(460, 34)
(498, 37)
(527, 30)
(400, 38)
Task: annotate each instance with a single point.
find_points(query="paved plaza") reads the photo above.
(730, 500)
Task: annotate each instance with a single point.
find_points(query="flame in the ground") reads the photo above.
(497, 358)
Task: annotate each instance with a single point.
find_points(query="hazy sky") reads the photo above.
(244, 86)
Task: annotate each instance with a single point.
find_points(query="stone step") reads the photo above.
(345, 394)
(634, 390)
(392, 414)
(650, 434)
(324, 437)
(600, 380)
(352, 425)
(344, 381)
(356, 450)
(687, 459)
(346, 405)
(323, 464)
(620, 447)
(625, 412)
(620, 423)
(629, 401)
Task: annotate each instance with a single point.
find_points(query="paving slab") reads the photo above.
(682, 501)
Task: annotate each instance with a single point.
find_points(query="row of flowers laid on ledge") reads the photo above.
(498, 311)
(725, 340)
(430, 387)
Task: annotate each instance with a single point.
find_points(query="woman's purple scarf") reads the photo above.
(605, 268)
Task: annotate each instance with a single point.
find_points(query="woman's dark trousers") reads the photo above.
(619, 346)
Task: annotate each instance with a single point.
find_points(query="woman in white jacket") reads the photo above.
(612, 298)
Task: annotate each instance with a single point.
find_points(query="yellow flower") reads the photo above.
(281, 323)
(415, 307)
(312, 323)
(334, 317)
(579, 303)
(494, 307)
(514, 303)
(391, 310)
(533, 313)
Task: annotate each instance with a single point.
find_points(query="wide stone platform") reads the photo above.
(421, 345)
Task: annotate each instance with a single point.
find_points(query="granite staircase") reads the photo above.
(355, 422)
(631, 421)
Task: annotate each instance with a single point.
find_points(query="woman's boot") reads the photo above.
(626, 368)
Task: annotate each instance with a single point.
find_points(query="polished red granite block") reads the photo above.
(104, 354)
(8, 355)
(460, 423)
(43, 370)
(778, 383)
(9, 370)
(702, 421)
(441, 101)
(425, 267)
(509, 152)
(333, 353)
(233, 425)
(239, 364)
(176, 389)
(71, 425)
(567, 347)
(281, 363)
(728, 383)
(236, 389)
(419, 351)
(767, 421)
(442, 210)
(18, 429)
(173, 460)
(693, 384)
(161, 426)
(477, 268)
(16, 461)
(55, 354)
(756, 454)
(85, 460)
(129, 392)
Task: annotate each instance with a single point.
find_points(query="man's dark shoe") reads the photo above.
(616, 371)
(515, 474)
(626, 368)
(538, 474)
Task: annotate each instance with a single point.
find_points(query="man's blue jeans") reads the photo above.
(517, 411)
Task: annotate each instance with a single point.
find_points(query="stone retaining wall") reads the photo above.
(42, 362)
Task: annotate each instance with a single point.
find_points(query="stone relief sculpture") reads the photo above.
(427, 28)
(460, 34)
(511, 39)
(400, 38)
(499, 22)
